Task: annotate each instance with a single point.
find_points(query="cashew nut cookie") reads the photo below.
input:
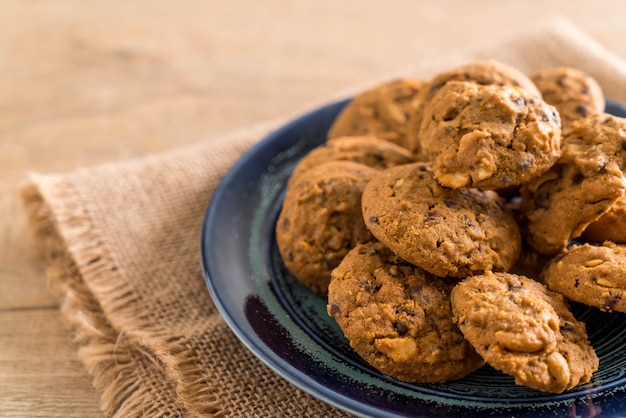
(591, 274)
(321, 221)
(611, 226)
(525, 330)
(480, 72)
(584, 183)
(398, 318)
(574, 93)
(368, 150)
(490, 137)
(382, 111)
(447, 232)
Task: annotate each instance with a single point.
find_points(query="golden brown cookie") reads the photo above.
(382, 111)
(448, 232)
(368, 150)
(491, 137)
(591, 274)
(586, 180)
(523, 329)
(611, 226)
(574, 93)
(321, 221)
(481, 72)
(398, 317)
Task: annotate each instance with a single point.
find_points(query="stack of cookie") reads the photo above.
(419, 214)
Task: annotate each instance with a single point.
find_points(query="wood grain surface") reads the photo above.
(83, 82)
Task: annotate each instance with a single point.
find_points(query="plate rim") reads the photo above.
(255, 345)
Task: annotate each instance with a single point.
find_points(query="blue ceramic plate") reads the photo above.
(287, 327)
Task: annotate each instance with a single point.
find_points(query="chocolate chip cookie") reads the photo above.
(585, 182)
(574, 93)
(481, 72)
(382, 111)
(398, 317)
(523, 329)
(321, 221)
(448, 232)
(491, 136)
(368, 150)
(591, 274)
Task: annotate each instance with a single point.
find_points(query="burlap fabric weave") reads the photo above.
(121, 247)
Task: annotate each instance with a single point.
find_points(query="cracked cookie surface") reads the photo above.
(490, 137)
(398, 317)
(523, 329)
(448, 232)
(486, 72)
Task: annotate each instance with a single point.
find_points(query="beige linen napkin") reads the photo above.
(121, 247)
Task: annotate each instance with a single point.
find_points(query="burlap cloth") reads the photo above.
(121, 246)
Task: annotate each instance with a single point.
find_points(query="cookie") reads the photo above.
(481, 72)
(448, 232)
(584, 183)
(368, 150)
(591, 274)
(398, 318)
(321, 221)
(491, 137)
(382, 111)
(523, 329)
(611, 226)
(574, 93)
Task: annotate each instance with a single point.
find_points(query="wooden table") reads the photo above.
(90, 81)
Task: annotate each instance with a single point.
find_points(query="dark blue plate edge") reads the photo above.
(259, 349)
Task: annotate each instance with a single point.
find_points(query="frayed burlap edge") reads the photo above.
(118, 366)
(111, 328)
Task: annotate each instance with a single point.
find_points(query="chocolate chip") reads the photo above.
(524, 164)
(401, 328)
(366, 285)
(334, 309)
(611, 301)
(373, 220)
(415, 290)
(286, 223)
(451, 203)
(624, 145)
(432, 218)
(566, 327)
(520, 101)
(581, 109)
(408, 311)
